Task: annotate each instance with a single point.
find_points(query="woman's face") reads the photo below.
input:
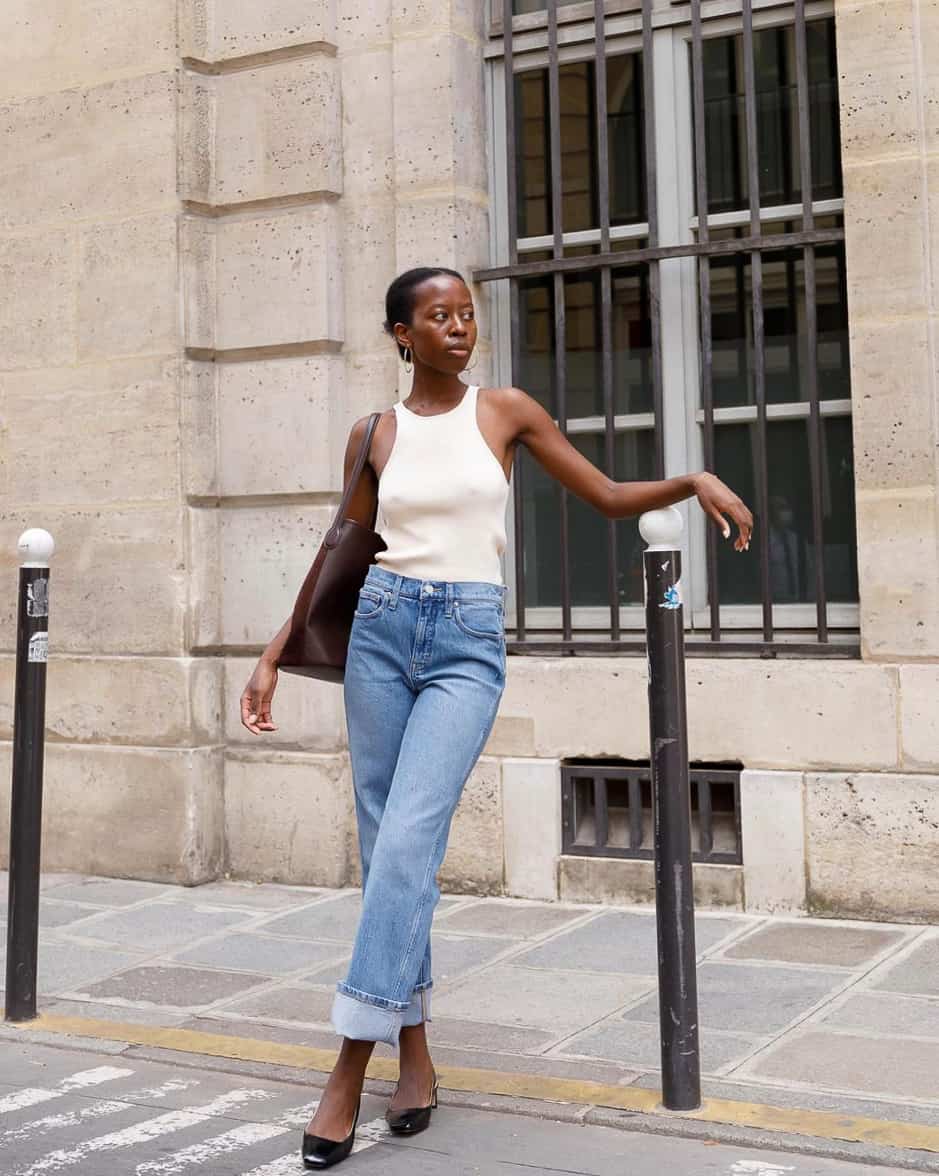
(442, 332)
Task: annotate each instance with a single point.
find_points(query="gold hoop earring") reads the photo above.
(408, 366)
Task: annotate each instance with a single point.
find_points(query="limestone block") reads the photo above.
(891, 394)
(932, 187)
(439, 114)
(872, 846)
(898, 569)
(884, 235)
(218, 30)
(773, 828)
(122, 812)
(199, 428)
(919, 691)
(37, 300)
(76, 154)
(91, 434)
(197, 156)
(415, 18)
(127, 303)
(278, 131)
(370, 266)
(274, 434)
(443, 231)
(309, 713)
(204, 588)
(58, 44)
(289, 818)
(117, 584)
(877, 78)
(265, 554)
(361, 24)
(929, 34)
(623, 881)
(531, 816)
(511, 736)
(473, 861)
(368, 124)
(280, 278)
(125, 700)
(198, 247)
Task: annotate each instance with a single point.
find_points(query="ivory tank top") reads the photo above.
(441, 498)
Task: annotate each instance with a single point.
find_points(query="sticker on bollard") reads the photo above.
(38, 648)
(37, 598)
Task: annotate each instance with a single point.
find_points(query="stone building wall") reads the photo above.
(201, 206)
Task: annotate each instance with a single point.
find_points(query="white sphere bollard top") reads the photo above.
(35, 548)
(661, 529)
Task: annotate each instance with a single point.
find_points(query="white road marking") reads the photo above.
(95, 1110)
(29, 1096)
(366, 1136)
(242, 1136)
(143, 1132)
(759, 1168)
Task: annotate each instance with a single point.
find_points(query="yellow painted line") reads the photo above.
(795, 1121)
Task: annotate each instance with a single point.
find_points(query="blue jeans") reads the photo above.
(424, 675)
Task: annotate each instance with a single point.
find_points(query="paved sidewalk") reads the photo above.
(830, 1016)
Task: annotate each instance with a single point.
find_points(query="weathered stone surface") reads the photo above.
(368, 143)
(473, 861)
(531, 818)
(196, 148)
(265, 555)
(277, 131)
(871, 844)
(117, 584)
(309, 714)
(361, 23)
(884, 234)
(127, 303)
(818, 944)
(273, 419)
(198, 426)
(279, 278)
(127, 409)
(139, 813)
(773, 835)
(919, 691)
(75, 154)
(198, 248)
(511, 736)
(217, 30)
(174, 702)
(370, 266)
(620, 880)
(289, 817)
(877, 78)
(892, 404)
(37, 300)
(58, 44)
(898, 570)
(204, 589)
(442, 230)
(417, 18)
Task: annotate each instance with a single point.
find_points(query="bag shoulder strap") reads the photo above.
(332, 535)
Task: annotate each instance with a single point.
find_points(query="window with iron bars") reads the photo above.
(662, 341)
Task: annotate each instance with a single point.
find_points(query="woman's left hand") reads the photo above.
(717, 499)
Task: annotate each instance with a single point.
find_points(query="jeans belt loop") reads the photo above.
(448, 611)
(395, 591)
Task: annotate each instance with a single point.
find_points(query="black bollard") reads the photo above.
(671, 793)
(29, 708)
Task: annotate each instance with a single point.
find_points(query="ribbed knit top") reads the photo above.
(442, 496)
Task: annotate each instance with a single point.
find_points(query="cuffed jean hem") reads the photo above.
(363, 1021)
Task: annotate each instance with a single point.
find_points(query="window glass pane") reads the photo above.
(625, 139)
(777, 117)
(578, 146)
(784, 325)
(634, 458)
(533, 177)
(792, 550)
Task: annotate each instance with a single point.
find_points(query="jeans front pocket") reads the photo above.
(480, 618)
(371, 603)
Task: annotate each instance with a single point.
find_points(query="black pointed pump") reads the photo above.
(413, 1119)
(318, 1152)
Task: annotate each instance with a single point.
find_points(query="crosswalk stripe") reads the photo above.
(29, 1096)
(366, 1136)
(95, 1110)
(143, 1132)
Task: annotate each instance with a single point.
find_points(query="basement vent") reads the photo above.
(607, 811)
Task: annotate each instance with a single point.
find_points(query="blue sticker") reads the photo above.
(672, 598)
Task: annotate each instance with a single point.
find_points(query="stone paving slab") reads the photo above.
(751, 999)
(158, 926)
(252, 952)
(638, 1044)
(111, 892)
(63, 966)
(333, 918)
(917, 972)
(512, 920)
(174, 987)
(847, 1061)
(267, 896)
(620, 942)
(811, 943)
(887, 1013)
(285, 1003)
(61, 914)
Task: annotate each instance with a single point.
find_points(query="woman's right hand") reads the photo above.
(256, 698)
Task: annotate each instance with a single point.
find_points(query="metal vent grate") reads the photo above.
(607, 811)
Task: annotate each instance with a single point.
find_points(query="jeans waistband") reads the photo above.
(447, 590)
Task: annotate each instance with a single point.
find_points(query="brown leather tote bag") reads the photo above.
(322, 615)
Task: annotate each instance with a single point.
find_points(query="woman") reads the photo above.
(426, 664)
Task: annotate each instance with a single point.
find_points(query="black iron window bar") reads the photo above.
(768, 642)
(607, 812)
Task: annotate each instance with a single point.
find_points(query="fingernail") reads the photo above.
(251, 718)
